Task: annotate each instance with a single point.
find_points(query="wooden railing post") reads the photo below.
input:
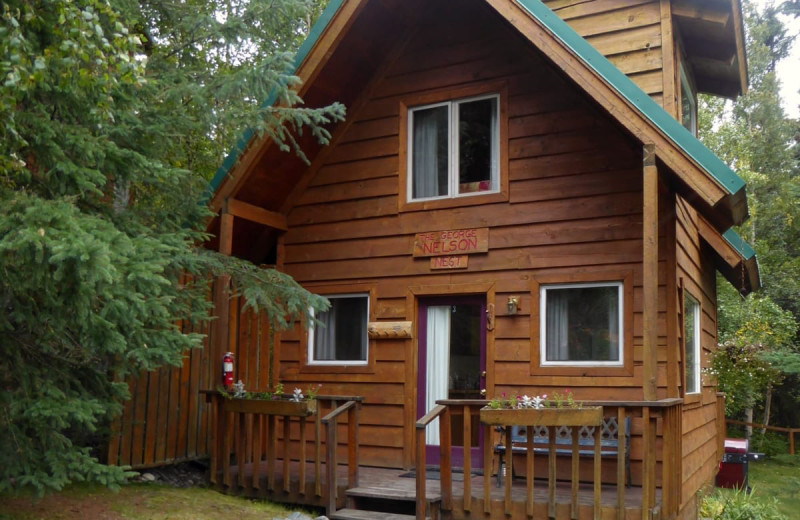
(445, 462)
(622, 441)
(467, 454)
(352, 446)
(487, 467)
(286, 453)
(330, 466)
(420, 470)
(331, 444)
(439, 411)
(649, 469)
(318, 452)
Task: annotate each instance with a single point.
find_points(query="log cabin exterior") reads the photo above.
(573, 187)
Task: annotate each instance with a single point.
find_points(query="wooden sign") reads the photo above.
(389, 329)
(452, 242)
(449, 262)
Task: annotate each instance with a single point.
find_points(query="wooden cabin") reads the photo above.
(516, 203)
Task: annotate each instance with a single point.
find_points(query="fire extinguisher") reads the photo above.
(227, 370)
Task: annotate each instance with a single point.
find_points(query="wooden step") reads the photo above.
(390, 493)
(355, 514)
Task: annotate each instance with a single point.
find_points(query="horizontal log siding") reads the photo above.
(699, 418)
(574, 205)
(627, 32)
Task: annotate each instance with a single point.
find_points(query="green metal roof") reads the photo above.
(241, 144)
(635, 95)
(739, 244)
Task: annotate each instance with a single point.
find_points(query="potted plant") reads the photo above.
(296, 404)
(558, 410)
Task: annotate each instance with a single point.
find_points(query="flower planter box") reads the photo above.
(586, 416)
(302, 408)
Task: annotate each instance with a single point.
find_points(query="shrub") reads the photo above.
(770, 443)
(738, 505)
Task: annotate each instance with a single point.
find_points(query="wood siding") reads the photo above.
(574, 205)
(700, 423)
(628, 33)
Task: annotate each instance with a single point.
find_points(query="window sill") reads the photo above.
(692, 400)
(587, 371)
(455, 202)
(337, 369)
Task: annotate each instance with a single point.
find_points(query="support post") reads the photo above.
(222, 295)
(650, 272)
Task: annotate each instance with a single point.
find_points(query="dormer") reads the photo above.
(672, 49)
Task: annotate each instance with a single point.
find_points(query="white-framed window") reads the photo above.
(454, 149)
(691, 340)
(688, 103)
(341, 337)
(580, 324)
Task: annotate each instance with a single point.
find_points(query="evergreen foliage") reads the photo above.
(758, 334)
(115, 115)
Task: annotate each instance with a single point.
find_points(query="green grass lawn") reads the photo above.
(138, 501)
(780, 478)
(775, 484)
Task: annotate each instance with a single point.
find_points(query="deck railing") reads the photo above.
(252, 439)
(646, 417)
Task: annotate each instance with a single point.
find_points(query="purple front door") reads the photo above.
(452, 361)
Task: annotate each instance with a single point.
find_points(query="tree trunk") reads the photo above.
(748, 418)
(767, 407)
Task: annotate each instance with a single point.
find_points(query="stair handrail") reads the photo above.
(443, 413)
(352, 407)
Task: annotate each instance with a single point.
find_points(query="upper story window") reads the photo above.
(453, 149)
(688, 103)
(342, 338)
(691, 339)
(581, 324)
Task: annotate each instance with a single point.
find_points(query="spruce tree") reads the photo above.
(115, 115)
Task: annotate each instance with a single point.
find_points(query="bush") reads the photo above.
(771, 444)
(738, 505)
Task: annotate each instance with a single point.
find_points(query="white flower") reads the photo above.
(297, 395)
(238, 389)
(538, 402)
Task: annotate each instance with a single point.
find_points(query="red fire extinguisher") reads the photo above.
(227, 370)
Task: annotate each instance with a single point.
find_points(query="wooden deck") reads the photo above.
(398, 491)
(309, 460)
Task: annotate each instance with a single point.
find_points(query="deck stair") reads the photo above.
(388, 503)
